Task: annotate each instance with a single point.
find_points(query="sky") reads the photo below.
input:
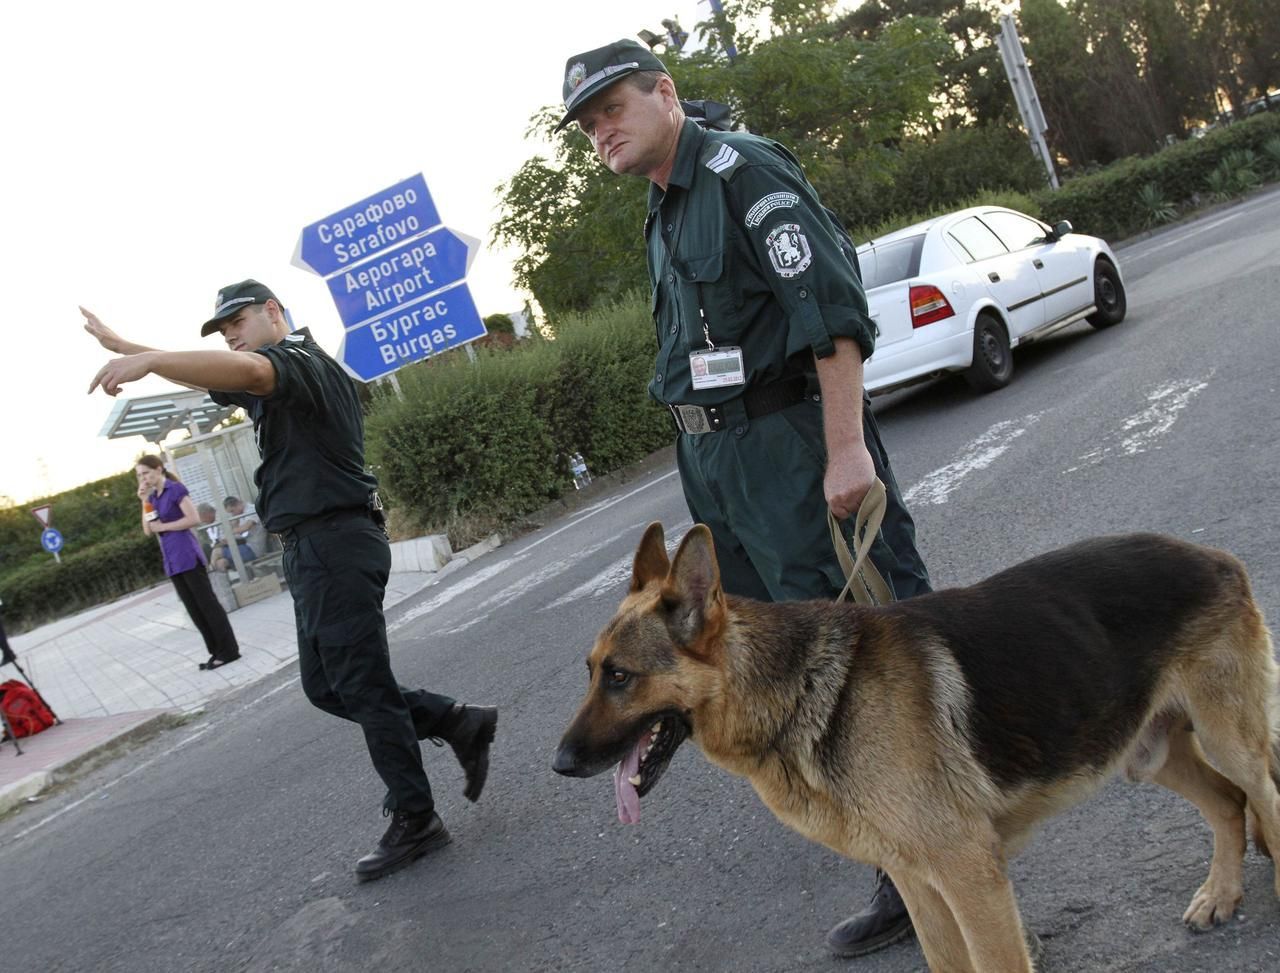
(157, 151)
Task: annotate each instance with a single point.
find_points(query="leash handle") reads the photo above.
(862, 580)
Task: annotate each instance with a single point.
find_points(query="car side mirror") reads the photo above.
(1061, 229)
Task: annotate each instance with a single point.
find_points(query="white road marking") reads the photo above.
(530, 581)
(462, 587)
(417, 611)
(935, 487)
(1189, 233)
(1142, 430)
(612, 577)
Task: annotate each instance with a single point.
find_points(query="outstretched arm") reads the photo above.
(227, 371)
(113, 342)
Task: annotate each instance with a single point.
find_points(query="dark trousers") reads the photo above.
(759, 487)
(337, 576)
(203, 606)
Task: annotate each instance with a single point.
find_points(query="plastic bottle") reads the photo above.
(148, 512)
(581, 475)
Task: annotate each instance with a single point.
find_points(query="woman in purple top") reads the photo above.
(168, 513)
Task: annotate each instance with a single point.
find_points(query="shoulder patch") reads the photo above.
(722, 159)
(788, 250)
(295, 337)
(767, 204)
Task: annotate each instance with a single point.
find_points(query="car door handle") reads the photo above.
(1038, 264)
(993, 277)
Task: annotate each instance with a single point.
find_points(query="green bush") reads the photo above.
(937, 174)
(40, 591)
(84, 515)
(1109, 203)
(1157, 208)
(472, 447)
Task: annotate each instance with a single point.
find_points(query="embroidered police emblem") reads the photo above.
(788, 250)
(577, 74)
(219, 302)
(767, 204)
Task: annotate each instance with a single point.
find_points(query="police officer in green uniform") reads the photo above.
(317, 495)
(762, 330)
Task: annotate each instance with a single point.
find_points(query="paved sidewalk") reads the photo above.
(130, 668)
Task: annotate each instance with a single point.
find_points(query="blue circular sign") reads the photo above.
(51, 540)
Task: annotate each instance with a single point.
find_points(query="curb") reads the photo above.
(34, 784)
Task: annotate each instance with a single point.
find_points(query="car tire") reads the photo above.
(992, 366)
(1108, 296)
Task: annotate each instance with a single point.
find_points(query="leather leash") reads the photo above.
(863, 580)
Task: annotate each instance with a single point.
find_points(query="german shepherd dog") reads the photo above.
(931, 736)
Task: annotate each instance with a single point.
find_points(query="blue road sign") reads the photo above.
(51, 540)
(398, 276)
(409, 334)
(367, 228)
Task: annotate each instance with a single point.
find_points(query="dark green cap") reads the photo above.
(589, 74)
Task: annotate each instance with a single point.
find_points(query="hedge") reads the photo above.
(45, 590)
(1108, 203)
(471, 447)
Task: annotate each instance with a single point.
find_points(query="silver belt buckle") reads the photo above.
(694, 419)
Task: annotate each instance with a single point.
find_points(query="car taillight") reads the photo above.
(928, 304)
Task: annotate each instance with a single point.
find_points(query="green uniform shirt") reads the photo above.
(739, 243)
(310, 434)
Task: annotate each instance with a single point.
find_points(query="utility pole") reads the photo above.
(1024, 93)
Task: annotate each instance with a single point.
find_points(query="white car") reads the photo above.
(957, 293)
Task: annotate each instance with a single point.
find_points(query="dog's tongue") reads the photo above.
(623, 789)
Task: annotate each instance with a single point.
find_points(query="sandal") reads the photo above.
(217, 663)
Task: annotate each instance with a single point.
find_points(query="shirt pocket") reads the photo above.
(705, 290)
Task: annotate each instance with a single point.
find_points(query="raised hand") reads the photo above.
(104, 335)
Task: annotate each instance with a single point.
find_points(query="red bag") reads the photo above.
(25, 711)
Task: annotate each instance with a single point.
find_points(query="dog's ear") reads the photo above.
(651, 558)
(692, 591)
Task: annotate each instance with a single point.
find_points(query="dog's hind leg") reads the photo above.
(1185, 772)
(1232, 707)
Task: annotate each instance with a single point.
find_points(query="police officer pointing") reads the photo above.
(762, 329)
(316, 494)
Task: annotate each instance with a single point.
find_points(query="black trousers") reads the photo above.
(202, 605)
(337, 576)
(759, 487)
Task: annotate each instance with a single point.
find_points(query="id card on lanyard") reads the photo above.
(713, 368)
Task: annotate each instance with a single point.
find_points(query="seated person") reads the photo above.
(219, 554)
(246, 525)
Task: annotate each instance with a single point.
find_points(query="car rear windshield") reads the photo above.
(886, 263)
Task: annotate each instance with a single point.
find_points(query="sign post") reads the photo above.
(51, 541)
(397, 277)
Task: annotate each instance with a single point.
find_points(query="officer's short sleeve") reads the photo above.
(800, 255)
(300, 376)
(243, 399)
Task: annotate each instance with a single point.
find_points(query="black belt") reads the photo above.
(751, 404)
(333, 518)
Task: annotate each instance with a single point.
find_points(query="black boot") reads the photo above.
(409, 837)
(882, 923)
(470, 736)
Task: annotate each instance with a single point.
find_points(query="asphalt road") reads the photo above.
(228, 844)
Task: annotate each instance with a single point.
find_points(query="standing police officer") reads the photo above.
(315, 492)
(762, 330)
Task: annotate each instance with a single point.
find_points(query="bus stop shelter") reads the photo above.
(214, 461)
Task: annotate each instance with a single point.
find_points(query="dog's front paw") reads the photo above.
(1213, 904)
